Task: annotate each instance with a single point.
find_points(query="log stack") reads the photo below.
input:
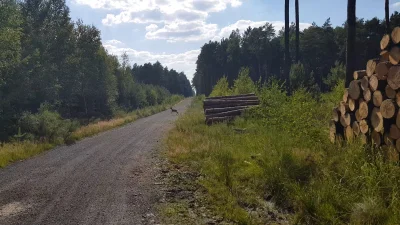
(226, 108)
(370, 105)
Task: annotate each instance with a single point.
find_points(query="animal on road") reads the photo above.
(174, 110)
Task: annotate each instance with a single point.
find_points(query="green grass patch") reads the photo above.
(285, 157)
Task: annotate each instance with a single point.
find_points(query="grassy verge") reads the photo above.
(15, 151)
(284, 158)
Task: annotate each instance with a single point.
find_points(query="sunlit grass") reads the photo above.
(12, 152)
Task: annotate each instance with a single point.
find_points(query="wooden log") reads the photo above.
(382, 70)
(390, 93)
(358, 116)
(354, 89)
(362, 109)
(237, 112)
(231, 104)
(373, 83)
(367, 95)
(398, 98)
(356, 128)
(394, 56)
(385, 41)
(217, 102)
(371, 65)
(335, 114)
(384, 56)
(343, 107)
(232, 96)
(364, 83)
(352, 104)
(348, 132)
(394, 132)
(345, 120)
(396, 35)
(377, 98)
(363, 126)
(398, 119)
(388, 109)
(219, 110)
(345, 95)
(240, 98)
(394, 77)
(359, 74)
(376, 138)
(376, 120)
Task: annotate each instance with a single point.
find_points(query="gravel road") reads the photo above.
(105, 179)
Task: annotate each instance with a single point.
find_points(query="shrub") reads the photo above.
(221, 88)
(243, 84)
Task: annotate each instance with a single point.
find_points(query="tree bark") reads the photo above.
(297, 31)
(351, 39)
(287, 52)
(387, 19)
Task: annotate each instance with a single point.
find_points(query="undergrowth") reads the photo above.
(23, 148)
(284, 153)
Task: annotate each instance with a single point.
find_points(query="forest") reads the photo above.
(49, 61)
(320, 63)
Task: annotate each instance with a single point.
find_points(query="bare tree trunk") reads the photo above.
(351, 39)
(287, 52)
(387, 16)
(297, 32)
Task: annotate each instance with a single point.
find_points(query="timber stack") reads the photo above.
(226, 108)
(370, 105)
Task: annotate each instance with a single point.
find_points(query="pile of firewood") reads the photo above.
(370, 105)
(226, 108)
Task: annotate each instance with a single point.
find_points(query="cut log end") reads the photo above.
(394, 132)
(349, 134)
(370, 70)
(364, 83)
(394, 56)
(377, 98)
(367, 95)
(376, 138)
(382, 70)
(335, 114)
(395, 35)
(373, 83)
(345, 120)
(359, 74)
(354, 89)
(384, 56)
(385, 41)
(363, 126)
(376, 120)
(394, 77)
(356, 128)
(362, 109)
(388, 109)
(390, 93)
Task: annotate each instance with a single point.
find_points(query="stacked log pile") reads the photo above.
(226, 108)
(370, 105)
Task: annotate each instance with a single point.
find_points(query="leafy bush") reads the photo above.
(337, 73)
(243, 84)
(221, 88)
(151, 96)
(139, 95)
(47, 125)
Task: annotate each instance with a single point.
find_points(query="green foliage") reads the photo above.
(47, 125)
(244, 84)
(221, 88)
(337, 74)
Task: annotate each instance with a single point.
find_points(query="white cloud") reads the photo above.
(152, 27)
(113, 42)
(396, 5)
(185, 61)
(184, 31)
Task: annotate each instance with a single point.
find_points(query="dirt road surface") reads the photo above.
(106, 179)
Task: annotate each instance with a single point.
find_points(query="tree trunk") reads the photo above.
(287, 52)
(351, 40)
(297, 31)
(387, 16)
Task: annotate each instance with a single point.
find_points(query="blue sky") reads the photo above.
(172, 31)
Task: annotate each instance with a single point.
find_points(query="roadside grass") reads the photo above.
(284, 157)
(20, 150)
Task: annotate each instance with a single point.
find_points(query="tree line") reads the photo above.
(317, 64)
(46, 58)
